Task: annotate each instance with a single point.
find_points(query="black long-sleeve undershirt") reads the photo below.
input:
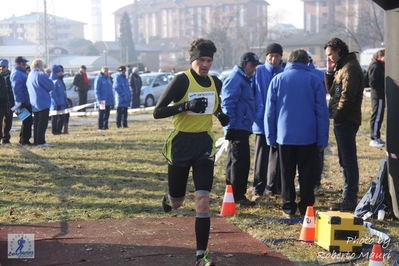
(176, 91)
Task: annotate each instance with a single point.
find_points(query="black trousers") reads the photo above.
(82, 94)
(273, 183)
(237, 168)
(121, 116)
(57, 122)
(136, 100)
(303, 157)
(377, 116)
(40, 126)
(26, 128)
(5, 122)
(261, 161)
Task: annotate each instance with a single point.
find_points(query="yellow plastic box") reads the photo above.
(339, 231)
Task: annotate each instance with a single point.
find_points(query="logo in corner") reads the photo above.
(21, 246)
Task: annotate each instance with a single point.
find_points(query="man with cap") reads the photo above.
(18, 83)
(6, 102)
(296, 99)
(82, 85)
(238, 102)
(122, 97)
(195, 98)
(266, 161)
(58, 101)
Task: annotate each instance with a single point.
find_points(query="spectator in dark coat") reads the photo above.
(135, 87)
(82, 86)
(376, 75)
(6, 102)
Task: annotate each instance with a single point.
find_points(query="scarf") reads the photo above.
(85, 79)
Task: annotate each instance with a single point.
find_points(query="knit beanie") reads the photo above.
(55, 69)
(274, 48)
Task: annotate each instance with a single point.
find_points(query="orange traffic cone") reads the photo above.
(308, 226)
(376, 256)
(228, 206)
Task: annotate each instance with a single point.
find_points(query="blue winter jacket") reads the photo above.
(58, 94)
(260, 82)
(123, 95)
(18, 83)
(103, 89)
(238, 100)
(39, 88)
(318, 73)
(296, 108)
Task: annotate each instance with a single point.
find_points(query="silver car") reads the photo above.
(153, 86)
(72, 95)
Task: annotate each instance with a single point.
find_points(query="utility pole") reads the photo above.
(46, 29)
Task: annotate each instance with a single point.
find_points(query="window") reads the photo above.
(323, 3)
(324, 15)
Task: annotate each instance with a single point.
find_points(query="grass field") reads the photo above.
(121, 174)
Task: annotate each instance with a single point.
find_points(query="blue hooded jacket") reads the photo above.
(296, 108)
(18, 83)
(123, 95)
(39, 88)
(103, 89)
(238, 100)
(58, 94)
(318, 73)
(260, 82)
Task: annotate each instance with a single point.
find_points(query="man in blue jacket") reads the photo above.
(39, 88)
(297, 122)
(122, 97)
(18, 83)
(238, 102)
(104, 97)
(58, 101)
(266, 166)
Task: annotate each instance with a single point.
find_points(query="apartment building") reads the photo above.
(158, 19)
(25, 28)
(327, 15)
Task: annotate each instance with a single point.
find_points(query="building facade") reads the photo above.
(158, 19)
(25, 28)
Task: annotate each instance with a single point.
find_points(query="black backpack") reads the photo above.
(375, 198)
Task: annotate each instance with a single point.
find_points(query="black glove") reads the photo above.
(198, 105)
(22, 105)
(223, 118)
(58, 107)
(231, 134)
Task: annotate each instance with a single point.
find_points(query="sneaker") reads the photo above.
(204, 261)
(45, 145)
(343, 205)
(246, 202)
(288, 215)
(377, 143)
(166, 204)
(5, 142)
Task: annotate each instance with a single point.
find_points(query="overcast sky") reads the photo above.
(290, 11)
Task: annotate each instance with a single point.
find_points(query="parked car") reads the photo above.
(72, 95)
(153, 86)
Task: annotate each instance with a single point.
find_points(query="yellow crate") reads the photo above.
(339, 231)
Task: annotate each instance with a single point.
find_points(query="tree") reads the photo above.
(126, 44)
(91, 50)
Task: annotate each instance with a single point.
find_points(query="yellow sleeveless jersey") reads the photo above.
(194, 122)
